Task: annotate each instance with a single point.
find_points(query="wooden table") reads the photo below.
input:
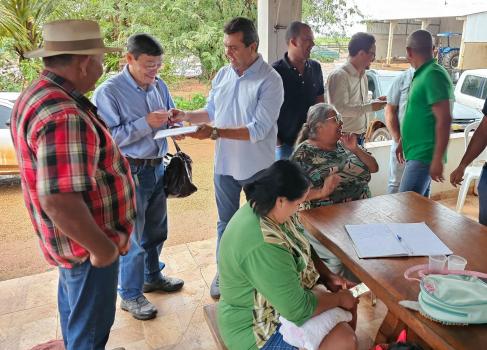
(384, 276)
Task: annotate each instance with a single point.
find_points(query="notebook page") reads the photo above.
(374, 240)
(420, 239)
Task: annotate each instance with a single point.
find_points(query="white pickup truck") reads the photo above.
(470, 95)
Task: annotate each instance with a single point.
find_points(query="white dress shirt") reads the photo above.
(252, 100)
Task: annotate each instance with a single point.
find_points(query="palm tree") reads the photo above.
(7, 20)
(22, 20)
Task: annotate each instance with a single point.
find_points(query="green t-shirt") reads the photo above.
(431, 84)
(265, 271)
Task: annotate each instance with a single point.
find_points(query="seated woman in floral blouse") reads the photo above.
(338, 167)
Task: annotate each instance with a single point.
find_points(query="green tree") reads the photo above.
(330, 17)
(200, 27)
(184, 27)
(7, 21)
(22, 21)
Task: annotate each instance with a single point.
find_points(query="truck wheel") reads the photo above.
(450, 60)
(381, 134)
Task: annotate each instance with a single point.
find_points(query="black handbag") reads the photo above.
(178, 181)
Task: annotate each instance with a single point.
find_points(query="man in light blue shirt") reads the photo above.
(243, 105)
(397, 99)
(135, 104)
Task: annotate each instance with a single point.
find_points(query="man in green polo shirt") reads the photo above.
(426, 128)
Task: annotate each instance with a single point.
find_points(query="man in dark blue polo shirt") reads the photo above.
(303, 86)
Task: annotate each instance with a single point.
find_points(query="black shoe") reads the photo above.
(166, 284)
(140, 308)
(215, 287)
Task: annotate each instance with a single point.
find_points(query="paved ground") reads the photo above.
(190, 219)
(28, 311)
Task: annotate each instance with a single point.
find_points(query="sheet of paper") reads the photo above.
(374, 240)
(420, 239)
(175, 131)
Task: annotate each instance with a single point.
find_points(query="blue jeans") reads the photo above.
(416, 177)
(227, 194)
(150, 231)
(276, 342)
(396, 170)
(482, 189)
(86, 302)
(284, 151)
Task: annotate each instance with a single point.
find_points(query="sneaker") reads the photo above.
(166, 284)
(140, 308)
(215, 287)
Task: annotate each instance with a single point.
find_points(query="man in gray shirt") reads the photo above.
(397, 99)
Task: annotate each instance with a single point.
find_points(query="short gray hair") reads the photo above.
(421, 42)
(317, 113)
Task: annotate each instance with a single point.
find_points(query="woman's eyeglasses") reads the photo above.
(337, 117)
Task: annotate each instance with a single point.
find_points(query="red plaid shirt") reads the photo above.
(62, 147)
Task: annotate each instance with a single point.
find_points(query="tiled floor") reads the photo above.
(28, 311)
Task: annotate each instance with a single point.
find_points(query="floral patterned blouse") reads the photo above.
(318, 164)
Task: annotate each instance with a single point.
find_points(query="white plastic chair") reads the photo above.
(473, 171)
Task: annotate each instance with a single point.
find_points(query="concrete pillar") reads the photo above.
(273, 17)
(425, 24)
(392, 25)
(461, 55)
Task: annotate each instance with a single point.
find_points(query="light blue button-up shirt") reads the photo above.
(252, 100)
(399, 91)
(123, 105)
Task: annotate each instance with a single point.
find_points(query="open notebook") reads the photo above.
(394, 239)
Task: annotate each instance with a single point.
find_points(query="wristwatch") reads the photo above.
(214, 133)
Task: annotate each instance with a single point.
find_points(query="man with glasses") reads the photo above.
(243, 105)
(134, 104)
(348, 89)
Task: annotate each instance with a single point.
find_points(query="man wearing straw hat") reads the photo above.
(77, 186)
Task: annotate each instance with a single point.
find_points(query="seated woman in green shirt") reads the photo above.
(267, 268)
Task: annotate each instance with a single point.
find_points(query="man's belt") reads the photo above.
(145, 162)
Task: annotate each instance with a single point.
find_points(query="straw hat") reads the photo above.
(72, 36)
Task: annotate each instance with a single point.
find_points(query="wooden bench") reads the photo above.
(210, 317)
